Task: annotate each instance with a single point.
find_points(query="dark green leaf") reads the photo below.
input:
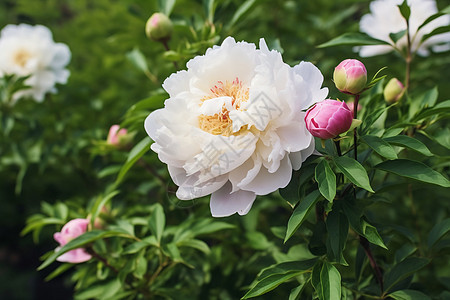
(373, 117)
(433, 111)
(269, 283)
(286, 267)
(330, 283)
(415, 170)
(379, 146)
(402, 270)
(445, 11)
(405, 10)
(438, 231)
(398, 35)
(353, 39)
(439, 30)
(99, 204)
(157, 221)
(300, 213)
(409, 295)
(337, 226)
(410, 143)
(326, 180)
(354, 171)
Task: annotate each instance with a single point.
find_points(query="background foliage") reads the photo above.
(52, 161)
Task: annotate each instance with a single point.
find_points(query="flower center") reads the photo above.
(21, 57)
(220, 123)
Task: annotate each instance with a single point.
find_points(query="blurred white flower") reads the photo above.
(233, 126)
(27, 50)
(385, 18)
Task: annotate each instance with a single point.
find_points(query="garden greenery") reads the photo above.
(338, 193)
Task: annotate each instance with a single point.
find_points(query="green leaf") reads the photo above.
(373, 117)
(245, 7)
(61, 269)
(81, 241)
(296, 292)
(398, 35)
(410, 143)
(269, 283)
(405, 10)
(409, 295)
(439, 30)
(438, 231)
(402, 270)
(330, 283)
(353, 39)
(100, 290)
(326, 180)
(286, 267)
(445, 11)
(209, 7)
(433, 111)
(157, 222)
(210, 227)
(371, 234)
(354, 171)
(195, 244)
(137, 152)
(379, 146)
(99, 204)
(415, 170)
(166, 6)
(139, 245)
(337, 226)
(423, 101)
(300, 213)
(138, 60)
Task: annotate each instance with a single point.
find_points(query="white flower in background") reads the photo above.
(233, 126)
(27, 50)
(385, 18)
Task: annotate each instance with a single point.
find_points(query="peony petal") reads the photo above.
(74, 256)
(224, 203)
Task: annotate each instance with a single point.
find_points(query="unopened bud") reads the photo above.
(119, 138)
(350, 76)
(394, 90)
(158, 27)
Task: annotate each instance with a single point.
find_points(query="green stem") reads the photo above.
(166, 46)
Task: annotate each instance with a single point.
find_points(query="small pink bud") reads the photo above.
(328, 119)
(350, 76)
(158, 27)
(71, 230)
(116, 137)
(393, 91)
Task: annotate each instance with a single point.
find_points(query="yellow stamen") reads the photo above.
(21, 57)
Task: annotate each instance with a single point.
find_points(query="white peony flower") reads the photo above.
(385, 18)
(27, 50)
(233, 126)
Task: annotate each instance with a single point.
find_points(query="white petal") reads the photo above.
(265, 182)
(224, 203)
(214, 106)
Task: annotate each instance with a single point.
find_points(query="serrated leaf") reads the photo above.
(300, 213)
(354, 171)
(326, 179)
(402, 270)
(414, 170)
(438, 231)
(353, 39)
(157, 222)
(379, 146)
(409, 295)
(410, 143)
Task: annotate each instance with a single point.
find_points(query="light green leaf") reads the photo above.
(138, 60)
(157, 222)
(139, 245)
(137, 152)
(354, 171)
(442, 107)
(300, 213)
(353, 39)
(81, 241)
(245, 7)
(326, 180)
(166, 6)
(410, 143)
(438, 231)
(379, 146)
(445, 11)
(402, 270)
(296, 292)
(371, 234)
(195, 244)
(269, 283)
(330, 283)
(337, 227)
(409, 295)
(286, 267)
(415, 170)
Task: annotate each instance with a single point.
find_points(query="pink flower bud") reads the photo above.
(158, 27)
(394, 90)
(71, 230)
(328, 118)
(116, 136)
(350, 76)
